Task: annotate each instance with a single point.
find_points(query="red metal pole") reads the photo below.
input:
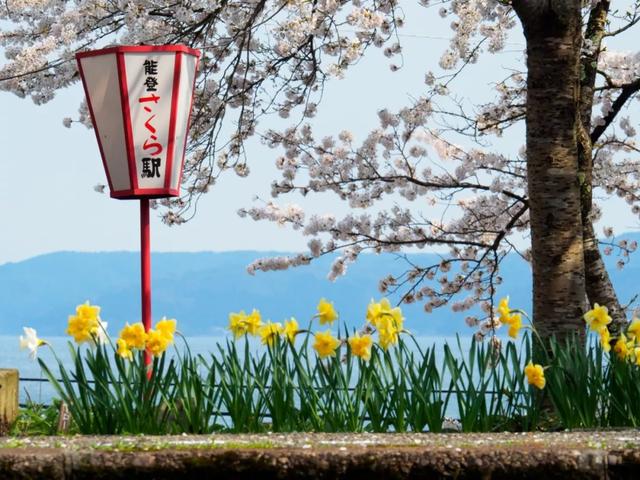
(145, 269)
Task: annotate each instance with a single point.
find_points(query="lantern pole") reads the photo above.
(145, 269)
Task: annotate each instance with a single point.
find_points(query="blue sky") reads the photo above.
(47, 172)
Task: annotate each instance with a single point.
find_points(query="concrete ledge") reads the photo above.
(580, 455)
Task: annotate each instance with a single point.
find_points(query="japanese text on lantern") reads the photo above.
(152, 147)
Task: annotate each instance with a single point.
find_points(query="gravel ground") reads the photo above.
(566, 455)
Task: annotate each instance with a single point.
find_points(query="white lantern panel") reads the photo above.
(150, 86)
(183, 108)
(103, 90)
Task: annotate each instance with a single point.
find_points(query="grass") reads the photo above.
(37, 420)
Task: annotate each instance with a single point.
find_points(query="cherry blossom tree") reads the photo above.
(547, 190)
(273, 57)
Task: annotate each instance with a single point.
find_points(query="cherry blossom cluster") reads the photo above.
(401, 162)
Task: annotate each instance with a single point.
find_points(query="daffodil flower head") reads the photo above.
(291, 329)
(597, 317)
(634, 329)
(508, 319)
(387, 338)
(86, 324)
(398, 318)
(361, 346)
(269, 332)
(157, 343)
(374, 311)
(515, 324)
(325, 344)
(379, 314)
(388, 332)
(123, 349)
(134, 336)
(503, 309)
(238, 324)
(326, 312)
(81, 328)
(535, 375)
(621, 347)
(167, 327)
(88, 311)
(605, 339)
(254, 322)
(31, 342)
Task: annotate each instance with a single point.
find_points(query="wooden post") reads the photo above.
(8, 397)
(64, 418)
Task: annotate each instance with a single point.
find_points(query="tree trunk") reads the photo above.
(553, 32)
(597, 282)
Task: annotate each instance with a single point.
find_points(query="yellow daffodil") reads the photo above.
(167, 327)
(123, 349)
(88, 311)
(325, 344)
(388, 333)
(634, 329)
(379, 314)
(157, 343)
(515, 324)
(291, 328)
(535, 375)
(503, 309)
(361, 346)
(386, 338)
(374, 311)
(621, 347)
(133, 336)
(254, 322)
(269, 332)
(81, 328)
(636, 351)
(398, 319)
(597, 318)
(605, 339)
(85, 324)
(326, 312)
(238, 324)
(497, 321)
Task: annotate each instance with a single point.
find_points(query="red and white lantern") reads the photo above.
(140, 101)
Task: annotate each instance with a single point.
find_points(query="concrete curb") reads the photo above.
(582, 455)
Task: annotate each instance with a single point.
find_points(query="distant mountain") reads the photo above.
(200, 289)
